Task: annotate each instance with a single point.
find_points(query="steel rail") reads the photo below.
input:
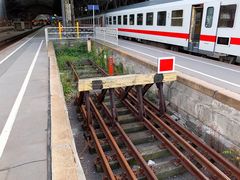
(202, 159)
(195, 140)
(76, 76)
(104, 73)
(122, 160)
(105, 163)
(169, 145)
(213, 154)
(148, 171)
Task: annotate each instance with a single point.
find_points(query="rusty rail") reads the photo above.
(195, 140)
(122, 160)
(203, 160)
(75, 74)
(143, 109)
(185, 161)
(106, 167)
(148, 171)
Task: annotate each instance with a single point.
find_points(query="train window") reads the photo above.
(227, 15)
(223, 40)
(119, 20)
(140, 19)
(125, 20)
(131, 19)
(106, 20)
(149, 19)
(114, 20)
(177, 18)
(209, 17)
(110, 20)
(161, 18)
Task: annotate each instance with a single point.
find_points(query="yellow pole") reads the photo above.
(77, 24)
(60, 30)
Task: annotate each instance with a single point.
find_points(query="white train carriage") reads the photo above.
(209, 27)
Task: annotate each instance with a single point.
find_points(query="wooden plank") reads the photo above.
(123, 81)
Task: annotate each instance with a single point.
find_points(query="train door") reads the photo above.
(209, 27)
(195, 28)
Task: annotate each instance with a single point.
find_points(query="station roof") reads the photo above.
(143, 4)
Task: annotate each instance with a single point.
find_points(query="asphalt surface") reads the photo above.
(218, 73)
(23, 121)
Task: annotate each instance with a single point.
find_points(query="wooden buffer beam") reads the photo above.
(112, 82)
(121, 87)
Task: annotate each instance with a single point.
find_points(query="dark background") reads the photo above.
(29, 9)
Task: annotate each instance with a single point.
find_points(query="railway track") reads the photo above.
(135, 139)
(9, 41)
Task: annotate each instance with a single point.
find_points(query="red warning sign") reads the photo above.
(166, 65)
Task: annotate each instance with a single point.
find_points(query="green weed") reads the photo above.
(233, 155)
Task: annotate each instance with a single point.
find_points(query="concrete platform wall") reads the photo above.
(209, 111)
(65, 163)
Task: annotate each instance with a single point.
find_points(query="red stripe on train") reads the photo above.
(235, 41)
(208, 38)
(156, 33)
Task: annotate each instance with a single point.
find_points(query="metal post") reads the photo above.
(77, 28)
(113, 107)
(140, 102)
(60, 30)
(101, 96)
(117, 35)
(89, 116)
(63, 12)
(146, 88)
(162, 106)
(93, 18)
(72, 12)
(104, 34)
(46, 36)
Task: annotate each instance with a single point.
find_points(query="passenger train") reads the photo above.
(208, 27)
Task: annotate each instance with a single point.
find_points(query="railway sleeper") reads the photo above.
(127, 124)
(152, 152)
(87, 71)
(89, 75)
(128, 128)
(163, 170)
(136, 138)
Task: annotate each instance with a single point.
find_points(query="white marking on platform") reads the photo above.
(12, 116)
(2, 61)
(182, 56)
(139, 52)
(233, 84)
(221, 80)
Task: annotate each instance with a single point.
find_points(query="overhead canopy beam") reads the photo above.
(123, 81)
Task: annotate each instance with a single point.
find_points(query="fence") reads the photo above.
(109, 35)
(68, 33)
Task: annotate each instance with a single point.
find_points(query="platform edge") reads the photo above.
(65, 163)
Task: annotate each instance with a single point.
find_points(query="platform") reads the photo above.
(27, 123)
(202, 68)
(24, 109)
